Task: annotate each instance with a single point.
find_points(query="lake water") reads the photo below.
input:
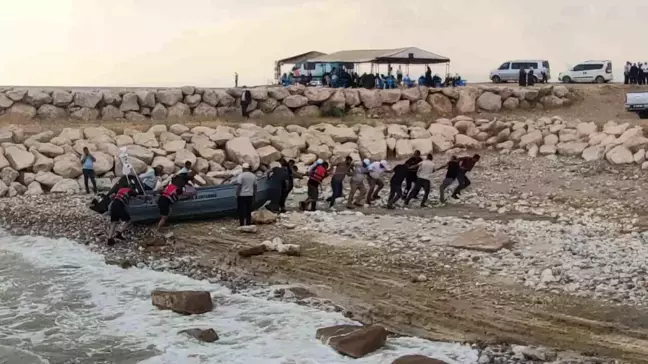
(60, 303)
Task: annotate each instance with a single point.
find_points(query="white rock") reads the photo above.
(67, 186)
(67, 168)
(42, 163)
(548, 149)
(168, 167)
(594, 153)
(586, 129)
(571, 148)
(34, 189)
(534, 137)
(241, 150)
(446, 131)
(50, 150)
(464, 141)
(620, 155)
(183, 156)
(174, 145)
(47, 179)
(640, 156)
(19, 159)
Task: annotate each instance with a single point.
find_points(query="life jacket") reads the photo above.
(123, 195)
(318, 174)
(171, 192)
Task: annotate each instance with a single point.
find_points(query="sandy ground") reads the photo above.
(455, 302)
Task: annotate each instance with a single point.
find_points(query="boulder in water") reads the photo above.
(351, 340)
(208, 336)
(185, 302)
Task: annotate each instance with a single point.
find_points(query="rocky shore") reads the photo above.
(50, 162)
(275, 101)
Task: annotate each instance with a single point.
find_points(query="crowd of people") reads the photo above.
(635, 73)
(365, 178)
(529, 78)
(366, 181)
(343, 78)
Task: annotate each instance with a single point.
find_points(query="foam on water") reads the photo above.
(60, 301)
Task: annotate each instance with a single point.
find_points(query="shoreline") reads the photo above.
(191, 253)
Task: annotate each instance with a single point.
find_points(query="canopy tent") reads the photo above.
(408, 55)
(300, 58)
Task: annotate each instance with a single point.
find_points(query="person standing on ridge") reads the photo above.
(466, 164)
(87, 162)
(245, 192)
(246, 100)
(235, 79)
(522, 77)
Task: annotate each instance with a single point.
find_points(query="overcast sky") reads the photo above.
(203, 42)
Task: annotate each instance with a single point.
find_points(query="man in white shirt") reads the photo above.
(375, 173)
(425, 173)
(245, 192)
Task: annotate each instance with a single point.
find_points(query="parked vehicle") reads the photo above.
(587, 72)
(637, 102)
(510, 70)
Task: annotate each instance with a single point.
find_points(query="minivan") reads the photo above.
(510, 70)
(588, 71)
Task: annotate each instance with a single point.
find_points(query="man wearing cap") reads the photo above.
(357, 183)
(245, 192)
(375, 173)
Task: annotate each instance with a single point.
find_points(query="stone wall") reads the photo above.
(280, 102)
(50, 162)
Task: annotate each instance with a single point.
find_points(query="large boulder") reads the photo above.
(397, 131)
(87, 99)
(308, 111)
(403, 148)
(138, 166)
(620, 155)
(19, 159)
(593, 153)
(353, 341)
(489, 101)
(66, 186)
(169, 97)
(183, 156)
(268, 154)
(317, 95)
(295, 101)
(466, 102)
(241, 150)
(205, 111)
(147, 140)
(352, 97)
(179, 111)
(370, 98)
(159, 113)
(47, 179)
(440, 104)
(173, 146)
(111, 112)
(85, 114)
(168, 166)
(67, 167)
(111, 97)
(335, 105)
(21, 111)
(278, 93)
(267, 106)
(192, 100)
(534, 137)
(8, 175)
(103, 163)
(146, 98)
(571, 148)
(372, 143)
(586, 129)
(285, 140)
(51, 112)
(390, 96)
(37, 98)
(401, 107)
(464, 141)
(72, 134)
(184, 302)
(16, 95)
(141, 153)
(341, 134)
(129, 102)
(34, 189)
(5, 102)
(50, 150)
(446, 131)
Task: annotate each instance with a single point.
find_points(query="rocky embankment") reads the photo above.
(276, 101)
(48, 161)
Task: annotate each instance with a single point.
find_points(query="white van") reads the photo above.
(510, 70)
(588, 71)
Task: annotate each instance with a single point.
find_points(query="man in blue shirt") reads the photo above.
(87, 162)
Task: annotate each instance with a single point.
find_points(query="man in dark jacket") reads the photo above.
(279, 181)
(522, 77)
(246, 100)
(466, 165)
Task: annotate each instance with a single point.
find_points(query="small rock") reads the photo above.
(208, 336)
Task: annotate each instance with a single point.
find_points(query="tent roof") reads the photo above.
(301, 57)
(398, 55)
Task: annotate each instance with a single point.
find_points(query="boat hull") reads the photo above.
(208, 203)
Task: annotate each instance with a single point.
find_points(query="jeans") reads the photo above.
(244, 209)
(446, 182)
(89, 174)
(337, 187)
(420, 183)
(464, 182)
(313, 195)
(275, 199)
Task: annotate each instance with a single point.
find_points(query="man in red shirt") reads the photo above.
(466, 165)
(315, 179)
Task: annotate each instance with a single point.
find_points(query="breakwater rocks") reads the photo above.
(280, 102)
(51, 162)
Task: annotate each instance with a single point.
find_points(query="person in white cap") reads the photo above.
(312, 167)
(245, 193)
(376, 171)
(357, 183)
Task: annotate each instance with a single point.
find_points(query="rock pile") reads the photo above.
(49, 162)
(282, 102)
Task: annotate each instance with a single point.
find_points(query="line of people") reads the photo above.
(635, 73)
(366, 181)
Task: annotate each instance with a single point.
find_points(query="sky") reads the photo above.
(202, 43)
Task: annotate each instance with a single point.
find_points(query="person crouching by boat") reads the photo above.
(151, 177)
(278, 178)
(316, 177)
(245, 193)
(119, 213)
(171, 194)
